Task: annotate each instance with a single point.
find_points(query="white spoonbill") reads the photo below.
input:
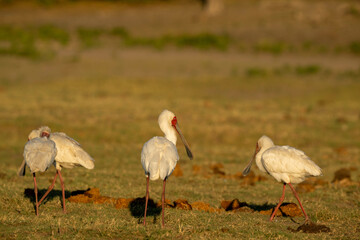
(159, 155)
(69, 154)
(286, 164)
(39, 154)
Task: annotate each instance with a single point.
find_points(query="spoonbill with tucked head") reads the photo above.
(286, 164)
(159, 155)
(69, 154)
(39, 154)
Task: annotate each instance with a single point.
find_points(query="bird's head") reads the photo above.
(167, 120)
(264, 142)
(43, 131)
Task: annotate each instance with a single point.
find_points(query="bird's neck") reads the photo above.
(171, 136)
(259, 156)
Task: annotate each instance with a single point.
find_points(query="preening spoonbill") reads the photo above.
(159, 155)
(39, 154)
(286, 164)
(69, 154)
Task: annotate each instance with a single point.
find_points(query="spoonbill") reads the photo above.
(39, 154)
(286, 164)
(69, 154)
(159, 155)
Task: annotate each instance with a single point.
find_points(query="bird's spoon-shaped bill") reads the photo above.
(248, 167)
(188, 151)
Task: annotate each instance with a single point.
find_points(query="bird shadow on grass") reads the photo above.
(137, 209)
(269, 208)
(30, 194)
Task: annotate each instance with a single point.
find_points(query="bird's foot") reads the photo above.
(307, 221)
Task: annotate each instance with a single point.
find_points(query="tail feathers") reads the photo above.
(21, 171)
(314, 170)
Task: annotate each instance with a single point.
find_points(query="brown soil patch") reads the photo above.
(201, 206)
(286, 209)
(81, 198)
(217, 169)
(182, 204)
(121, 203)
(342, 174)
(311, 228)
(178, 172)
(168, 204)
(92, 196)
(342, 177)
(136, 205)
(341, 150)
(232, 205)
(310, 184)
(250, 179)
(196, 169)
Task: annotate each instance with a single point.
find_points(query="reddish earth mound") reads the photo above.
(286, 209)
(250, 179)
(342, 177)
(92, 196)
(167, 203)
(217, 169)
(182, 204)
(311, 228)
(121, 203)
(201, 206)
(310, 185)
(178, 172)
(236, 206)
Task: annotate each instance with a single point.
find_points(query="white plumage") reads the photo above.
(70, 153)
(159, 155)
(45, 148)
(39, 154)
(286, 164)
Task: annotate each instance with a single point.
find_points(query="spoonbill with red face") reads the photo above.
(159, 155)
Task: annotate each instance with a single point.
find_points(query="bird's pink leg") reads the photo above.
(63, 189)
(49, 189)
(163, 203)
(146, 198)
(280, 202)
(297, 197)
(36, 195)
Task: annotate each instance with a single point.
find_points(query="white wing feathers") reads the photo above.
(159, 157)
(39, 154)
(283, 161)
(70, 153)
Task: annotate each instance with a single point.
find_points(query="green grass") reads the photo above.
(18, 42)
(50, 32)
(89, 37)
(25, 41)
(221, 117)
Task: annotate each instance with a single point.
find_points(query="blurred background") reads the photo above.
(231, 70)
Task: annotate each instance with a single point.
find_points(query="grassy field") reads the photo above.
(102, 73)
